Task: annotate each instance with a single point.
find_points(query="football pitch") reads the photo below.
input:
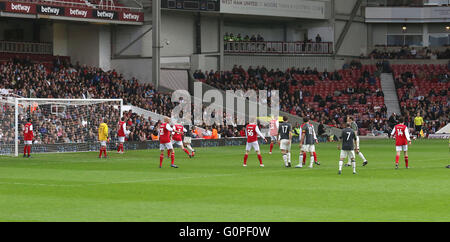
(213, 186)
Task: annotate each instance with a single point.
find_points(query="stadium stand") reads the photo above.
(424, 89)
(406, 52)
(55, 77)
(324, 96)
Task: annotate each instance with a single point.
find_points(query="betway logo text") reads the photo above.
(130, 16)
(104, 14)
(51, 10)
(20, 7)
(78, 12)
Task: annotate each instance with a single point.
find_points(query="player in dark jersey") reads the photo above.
(285, 140)
(348, 146)
(354, 126)
(307, 141)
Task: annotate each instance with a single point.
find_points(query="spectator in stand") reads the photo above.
(318, 38)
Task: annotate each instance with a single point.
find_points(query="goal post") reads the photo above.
(59, 125)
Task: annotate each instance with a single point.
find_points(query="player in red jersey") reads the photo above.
(27, 137)
(165, 131)
(402, 138)
(122, 132)
(252, 131)
(178, 138)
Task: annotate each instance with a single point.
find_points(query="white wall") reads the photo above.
(83, 44)
(210, 34)
(60, 39)
(104, 34)
(355, 41)
(139, 68)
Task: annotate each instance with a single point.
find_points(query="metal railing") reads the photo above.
(278, 47)
(26, 47)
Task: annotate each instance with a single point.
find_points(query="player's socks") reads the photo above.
(354, 166)
(25, 150)
(271, 147)
(285, 159)
(362, 156)
(260, 159)
(101, 151)
(104, 152)
(289, 157)
(245, 159)
(304, 158)
(397, 157)
(311, 162)
(406, 161)
(315, 156)
(300, 159)
(168, 153)
(172, 157)
(349, 162)
(341, 163)
(187, 152)
(161, 158)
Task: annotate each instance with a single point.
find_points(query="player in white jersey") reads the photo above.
(273, 131)
(354, 126)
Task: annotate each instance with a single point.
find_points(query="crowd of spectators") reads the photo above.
(424, 93)
(230, 37)
(406, 52)
(78, 124)
(293, 96)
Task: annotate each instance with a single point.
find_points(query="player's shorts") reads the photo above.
(401, 148)
(177, 142)
(121, 139)
(165, 146)
(308, 148)
(28, 142)
(253, 145)
(103, 143)
(285, 144)
(187, 140)
(274, 138)
(347, 153)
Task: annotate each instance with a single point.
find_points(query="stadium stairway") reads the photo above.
(390, 93)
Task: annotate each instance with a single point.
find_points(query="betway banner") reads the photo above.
(131, 16)
(78, 12)
(103, 14)
(280, 8)
(26, 8)
(50, 10)
(68, 11)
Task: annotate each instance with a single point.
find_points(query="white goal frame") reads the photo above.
(18, 101)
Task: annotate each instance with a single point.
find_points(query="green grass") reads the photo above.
(214, 186)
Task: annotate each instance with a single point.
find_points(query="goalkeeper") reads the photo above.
(103, 137)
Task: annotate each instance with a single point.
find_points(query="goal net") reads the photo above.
(59, 125)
